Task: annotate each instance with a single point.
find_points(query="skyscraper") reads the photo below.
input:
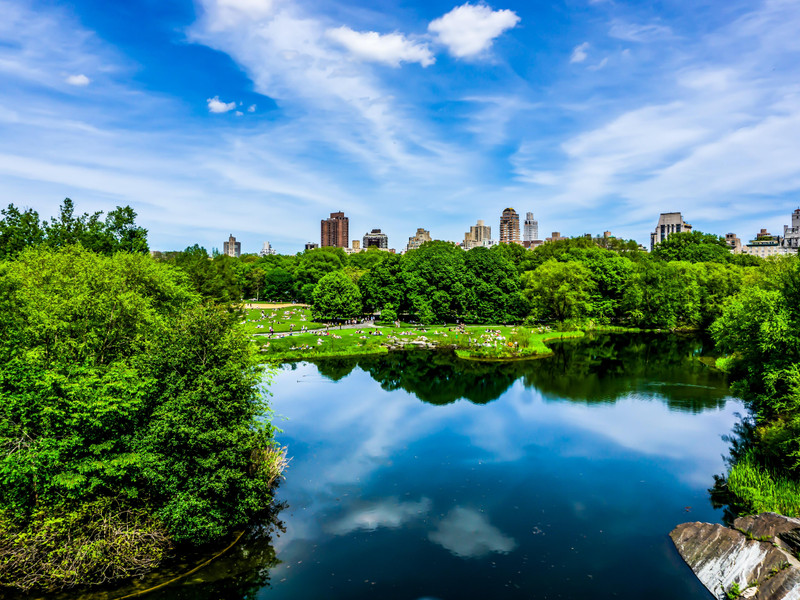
(232, 247)
(335, 230)
(531, 229)
(509, 227)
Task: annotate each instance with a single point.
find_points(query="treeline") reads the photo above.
(682, 284)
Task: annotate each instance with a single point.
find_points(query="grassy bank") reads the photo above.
(478, 342)
(760, 490)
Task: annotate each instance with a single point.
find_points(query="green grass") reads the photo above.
(760, 490)
(344, 342)
(479, 342)
(280, 318)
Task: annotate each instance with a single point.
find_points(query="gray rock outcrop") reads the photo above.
(757, 553)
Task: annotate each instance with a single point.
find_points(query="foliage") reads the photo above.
(116, 382)
(117, 233)
(559, 290)
(336, 297)
(434, 277)
(101, 541)
(693, 246)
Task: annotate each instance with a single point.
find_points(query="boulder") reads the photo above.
(755, 553)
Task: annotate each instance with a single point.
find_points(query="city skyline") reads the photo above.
(212, 116)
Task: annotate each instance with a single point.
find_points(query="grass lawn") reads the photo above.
(483, 342)
(281, 319)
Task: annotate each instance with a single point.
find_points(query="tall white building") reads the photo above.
(530, 230)
(267, 250)
(668, 223)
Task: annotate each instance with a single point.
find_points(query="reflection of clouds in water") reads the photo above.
(467, 533)
(386, 513)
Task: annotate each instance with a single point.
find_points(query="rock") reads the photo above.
(750, 554)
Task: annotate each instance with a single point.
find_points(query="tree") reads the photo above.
(215, 279)
(336, 297)
(383, 285)
(559, 290)
(278, 285)
(434, 278)
(493, 291)
(19, 230)
(693, 246)
(124, 400)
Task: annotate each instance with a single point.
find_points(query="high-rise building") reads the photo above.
(375, 239)
(668, 223)
(232, 247)
(530, 231)
(267, 250)
(335, 230)
(509, 227)
(791, 233)
(422, 236)
(478, 235)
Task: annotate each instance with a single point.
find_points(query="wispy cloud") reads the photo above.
(391, 48)
(633, 32)
(579, 53)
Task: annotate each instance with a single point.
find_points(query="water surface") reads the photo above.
(417, 475)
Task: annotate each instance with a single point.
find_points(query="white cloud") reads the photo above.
(632, 32)
(251, 108)
(391, 49)
(215, 105)
(470, 29)
(222, 14)
(78, 80)
(579, 53)
(389, 513)
(468, 534)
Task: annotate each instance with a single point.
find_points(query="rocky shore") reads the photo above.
(756, 558)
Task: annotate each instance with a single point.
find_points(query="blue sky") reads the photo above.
(260, 117)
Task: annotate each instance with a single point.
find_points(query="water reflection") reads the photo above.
(597, 368)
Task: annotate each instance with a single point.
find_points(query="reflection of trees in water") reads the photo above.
(240, 573)
(603, 367)
(441, 377)
(597, 368)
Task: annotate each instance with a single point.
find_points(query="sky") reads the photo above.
(258, 118)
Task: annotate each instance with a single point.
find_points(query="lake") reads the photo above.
(421, 476)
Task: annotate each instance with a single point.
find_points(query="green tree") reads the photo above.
(434, 278)
(336, 297)
(278, 285)
(492, 288)
(121, 394)
(693, 246)
(559, 290)
(383, 286)
(19, 230)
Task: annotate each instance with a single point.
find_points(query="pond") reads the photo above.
(418, 475)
